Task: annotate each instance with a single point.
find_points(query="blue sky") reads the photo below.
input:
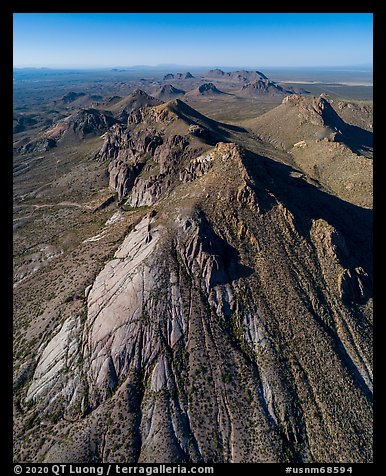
(197, 39)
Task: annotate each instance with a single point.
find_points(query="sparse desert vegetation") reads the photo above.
(192, 267)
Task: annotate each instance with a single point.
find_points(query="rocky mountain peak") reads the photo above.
(200, 291)
(72, 96)
(169, 76)
(140, 93)
(263, 86)
(215, 72)
(316, 110)
(236, 76)
(206, 89)
(84, 123)
(174, 109)
(89, 121)
(168, 91)
(169, 88)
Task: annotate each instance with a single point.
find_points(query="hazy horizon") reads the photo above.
(343, 67)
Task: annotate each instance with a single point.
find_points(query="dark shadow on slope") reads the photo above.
(307, 203)
(347, 360)
(228, 259)
(192, 116)
(354, 137)
(357, 139)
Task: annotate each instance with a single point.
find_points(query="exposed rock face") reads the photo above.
(196, 168)
(115, 142)
(147, 191)
(169, 153)
(57, 384)
(108, 327)
(140, 147)
(58, 354)
(191, 347)
(123, 175)
(128, 154)
(152, 115)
